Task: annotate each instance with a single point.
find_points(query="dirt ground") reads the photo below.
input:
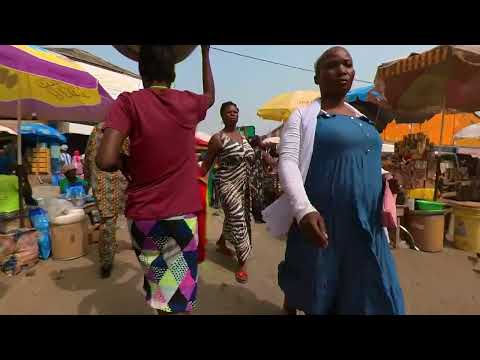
(439, 283)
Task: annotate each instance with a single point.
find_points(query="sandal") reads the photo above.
(241, 277)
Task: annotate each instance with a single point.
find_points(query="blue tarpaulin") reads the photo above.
(42, 133)
(361, 94)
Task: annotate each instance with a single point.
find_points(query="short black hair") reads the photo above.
(322, 57)
(157, 63)
(225, 105)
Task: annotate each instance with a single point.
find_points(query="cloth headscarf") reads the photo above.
(68, 168)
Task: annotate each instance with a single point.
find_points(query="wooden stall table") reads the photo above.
(402, 211)
(400, 215)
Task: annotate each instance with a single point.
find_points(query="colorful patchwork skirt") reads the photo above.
(167, 251)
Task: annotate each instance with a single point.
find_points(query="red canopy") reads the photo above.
(200, 142)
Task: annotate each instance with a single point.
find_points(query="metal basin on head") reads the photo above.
(133, 51)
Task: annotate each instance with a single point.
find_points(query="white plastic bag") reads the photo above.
(56, 207)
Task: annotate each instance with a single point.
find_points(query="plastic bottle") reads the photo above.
(39, 218)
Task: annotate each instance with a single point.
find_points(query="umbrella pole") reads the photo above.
(454, 128)
(20, 173)
(443, 120)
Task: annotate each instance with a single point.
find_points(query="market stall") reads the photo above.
(414, 164)
(444, 80)
(42, 85)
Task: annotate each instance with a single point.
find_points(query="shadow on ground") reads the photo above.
(3, 290)
(227, 262)
(226, 299)
(117, 295)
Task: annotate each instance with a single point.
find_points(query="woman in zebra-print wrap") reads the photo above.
(234, 156)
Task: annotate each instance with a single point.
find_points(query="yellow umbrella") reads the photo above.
(281, 106)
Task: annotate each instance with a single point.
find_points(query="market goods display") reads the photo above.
(24, 243)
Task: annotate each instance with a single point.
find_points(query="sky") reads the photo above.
(250, 83)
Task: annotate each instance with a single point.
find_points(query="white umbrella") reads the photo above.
(388, 148)
(469, 132)
(4, 129)
(203, 136)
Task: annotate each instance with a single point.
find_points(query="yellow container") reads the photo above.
(422, 194)
(467, 229)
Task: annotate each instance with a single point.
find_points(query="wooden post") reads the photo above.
(437, 178)
(20, 172)
(443, 119)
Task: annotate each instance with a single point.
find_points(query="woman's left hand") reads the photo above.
(394, 186)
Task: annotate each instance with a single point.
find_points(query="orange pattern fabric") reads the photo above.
(109, 189)
(432, 128)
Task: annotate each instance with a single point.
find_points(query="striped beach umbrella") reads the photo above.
(441, 80)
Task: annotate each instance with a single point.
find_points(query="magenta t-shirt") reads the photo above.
(161, 129)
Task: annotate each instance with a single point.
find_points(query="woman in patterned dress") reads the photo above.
(109, 191)
(234, 156)
(163, 196)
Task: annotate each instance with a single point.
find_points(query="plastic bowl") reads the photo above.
(428, 205)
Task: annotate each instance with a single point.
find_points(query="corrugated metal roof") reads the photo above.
(86, 57)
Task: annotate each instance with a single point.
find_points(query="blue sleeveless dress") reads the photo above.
(356, 273)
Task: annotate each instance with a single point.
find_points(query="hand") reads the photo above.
(313, 225)
(123, 167)
(394, 186)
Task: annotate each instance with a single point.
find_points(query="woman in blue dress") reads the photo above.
(337, 260)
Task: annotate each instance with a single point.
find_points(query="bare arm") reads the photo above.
(88, 156)
(109, 156)
(214, 147)
(208, 84)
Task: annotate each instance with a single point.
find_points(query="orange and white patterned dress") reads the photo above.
(108, 188)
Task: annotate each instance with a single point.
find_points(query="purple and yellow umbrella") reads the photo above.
(50, 85)
(36, 81)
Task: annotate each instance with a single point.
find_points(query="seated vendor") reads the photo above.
(71, 179)
(9, 200)
(6, 159)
